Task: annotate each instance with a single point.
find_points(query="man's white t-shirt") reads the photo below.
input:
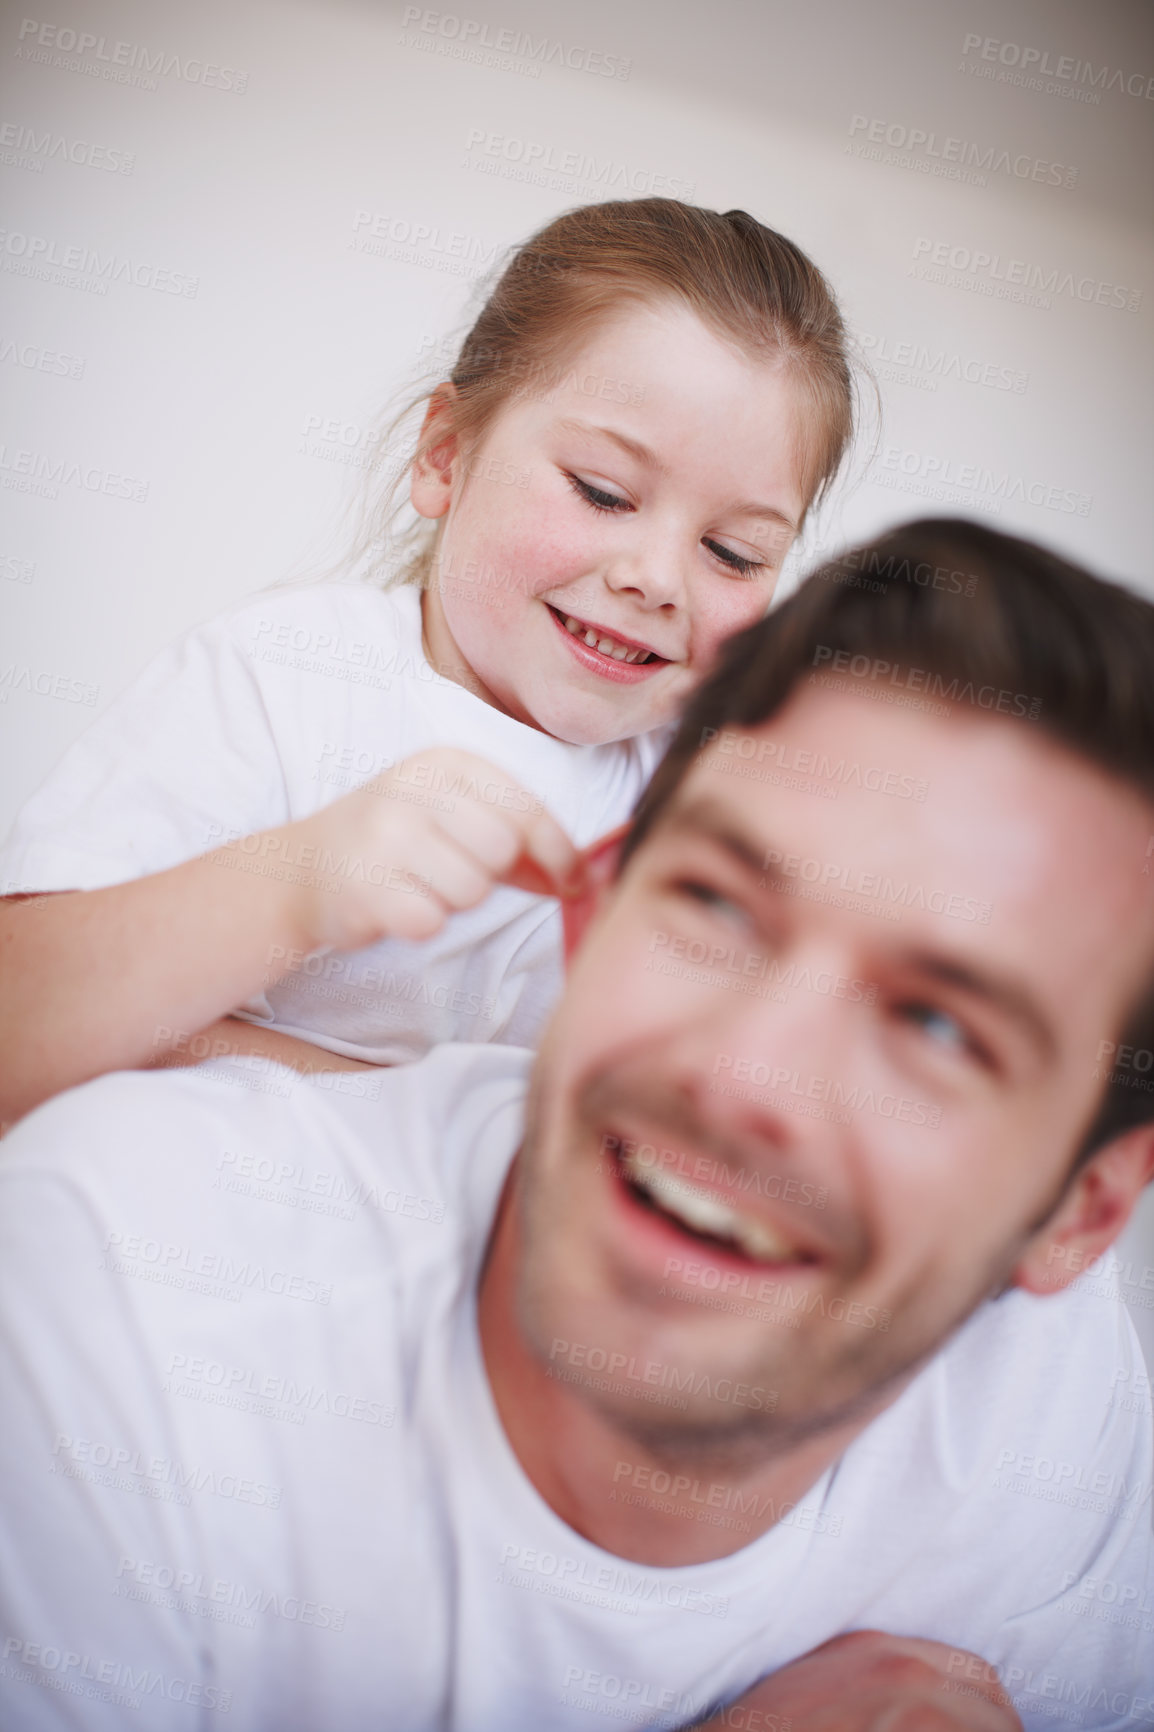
(274, 710)
(256, 1479)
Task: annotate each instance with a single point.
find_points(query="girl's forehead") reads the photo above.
(661, 373)
(653, 379)
(708, 414)
(662, 329)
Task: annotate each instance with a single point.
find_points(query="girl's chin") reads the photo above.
(582, 729)
(594, 719)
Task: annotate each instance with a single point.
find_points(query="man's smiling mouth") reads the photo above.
(704, 1215)
(596, 638)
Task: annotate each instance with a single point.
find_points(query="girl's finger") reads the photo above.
(433, 865)
(492, 837)
(546, 844)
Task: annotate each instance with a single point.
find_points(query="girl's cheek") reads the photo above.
(706, 646)
(723, 614)
(749, 604)
(530, 550)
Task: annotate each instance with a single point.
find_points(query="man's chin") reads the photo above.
(689, 1404)
(739, 1446)
(692, 1383)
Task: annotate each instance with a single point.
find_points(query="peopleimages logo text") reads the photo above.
(917, 141)
(1036, 62)
(92, 54)
(518, 45)
(1021, 275)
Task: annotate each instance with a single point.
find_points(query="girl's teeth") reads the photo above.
(607, 645)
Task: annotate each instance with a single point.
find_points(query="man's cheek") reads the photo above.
(632, 995)
(937, 1238)
(619, 990)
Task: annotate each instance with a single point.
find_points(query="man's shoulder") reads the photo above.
(1049, 1390)
(1055, 1349)
(245, 1118)
(139, 1119)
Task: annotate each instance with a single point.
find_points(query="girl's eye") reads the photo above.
(734, 561)
(600, 500)
(597, 496)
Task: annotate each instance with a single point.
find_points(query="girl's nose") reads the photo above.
(652, 577)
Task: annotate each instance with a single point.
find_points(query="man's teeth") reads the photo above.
(702, 1212)
(607, 645)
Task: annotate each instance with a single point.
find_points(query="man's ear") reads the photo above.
(599, 863)
(1091, 1214)
(436, 465)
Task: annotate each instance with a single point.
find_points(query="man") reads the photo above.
(755, 1328)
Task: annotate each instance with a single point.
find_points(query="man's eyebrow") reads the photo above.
(711, 819)
(771, 513)
(999, 990)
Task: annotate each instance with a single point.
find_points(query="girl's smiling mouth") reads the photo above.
(616, 658)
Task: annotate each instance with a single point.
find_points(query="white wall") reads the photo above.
(230, 146)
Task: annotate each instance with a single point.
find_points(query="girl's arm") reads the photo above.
(113, 979)
(99, 980)
(868, 1681)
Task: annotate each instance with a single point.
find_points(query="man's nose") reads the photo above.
(766, 1065)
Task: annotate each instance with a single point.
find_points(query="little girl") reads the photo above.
(648, 405)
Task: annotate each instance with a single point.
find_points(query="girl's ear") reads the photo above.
(600, 865)
(436, 463)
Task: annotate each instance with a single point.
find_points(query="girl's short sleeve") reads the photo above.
(186, 758)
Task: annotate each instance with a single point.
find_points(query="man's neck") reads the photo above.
(597, 1477)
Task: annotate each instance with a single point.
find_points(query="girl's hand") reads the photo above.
(870, 1682)
(417, 843)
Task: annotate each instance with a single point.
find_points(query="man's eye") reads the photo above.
(735, 561)
(944, 1030)
(597, 496)
(707, 896)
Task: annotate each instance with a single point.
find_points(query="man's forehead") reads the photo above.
(822, 733)
(983, 807)
(856, 742)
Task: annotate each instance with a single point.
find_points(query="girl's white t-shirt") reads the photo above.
(270, 712)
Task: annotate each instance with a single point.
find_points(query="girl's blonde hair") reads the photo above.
(747, 283)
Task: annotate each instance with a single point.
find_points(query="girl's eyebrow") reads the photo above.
(771, 513)
(633, 446)
(643, 454)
